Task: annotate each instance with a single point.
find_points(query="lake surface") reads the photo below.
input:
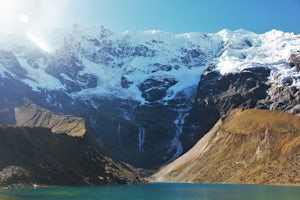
(157, 191)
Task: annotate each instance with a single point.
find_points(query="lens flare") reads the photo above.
(24, 18)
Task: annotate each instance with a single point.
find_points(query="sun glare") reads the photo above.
(39, 43)
(14, 16)
(24, 18)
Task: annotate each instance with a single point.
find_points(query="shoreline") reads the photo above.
(37, 186)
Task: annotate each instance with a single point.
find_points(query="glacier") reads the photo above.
(183, 57)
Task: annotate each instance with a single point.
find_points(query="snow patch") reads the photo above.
(229, 51)
(244, 49)
(38, 79)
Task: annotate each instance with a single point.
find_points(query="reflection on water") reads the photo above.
(159, 191)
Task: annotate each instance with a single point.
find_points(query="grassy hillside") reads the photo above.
(250, 146)
(254, 121)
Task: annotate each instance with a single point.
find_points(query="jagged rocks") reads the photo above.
(125, 83)
(295, 60)
(15, 176)
(155, 89)
(233, 90)
(286, 98)
(217, 95)
(287, 81)
(161, 67)
(143, 51)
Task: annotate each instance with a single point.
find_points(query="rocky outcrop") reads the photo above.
(217, 95)
(246, 146)
(285, 98)
(154, 90)
(15, 176)
(295, 60)
(31, 156)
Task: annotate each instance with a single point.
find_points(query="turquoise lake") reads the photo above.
(158, 191)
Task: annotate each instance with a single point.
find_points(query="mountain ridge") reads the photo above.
(32, 115)
(112, 79)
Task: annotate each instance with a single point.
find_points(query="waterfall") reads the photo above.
(178, 123)
(119, 132)
(141, 139)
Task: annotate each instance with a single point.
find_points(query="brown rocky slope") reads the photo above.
(246, 146)
(47, 148)
(30, 114)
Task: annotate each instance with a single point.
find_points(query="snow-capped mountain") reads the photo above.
(139, 90)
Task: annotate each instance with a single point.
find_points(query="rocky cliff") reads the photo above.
(246, 146)
(47, 148)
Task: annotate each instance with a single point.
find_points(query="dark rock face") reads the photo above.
(153, 89)
(7, 115)
(161, 67)
(142, 50)
(194, 56)
(137, 134)
(125, 83)
(217, 95)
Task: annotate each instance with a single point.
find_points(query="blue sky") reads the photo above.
(176, 16)
(180, 16)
